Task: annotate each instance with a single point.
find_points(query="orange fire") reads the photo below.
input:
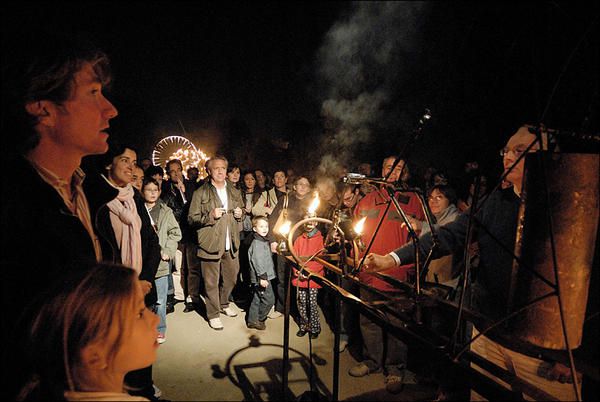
(285, 228)
(359, 226)
(314, 205)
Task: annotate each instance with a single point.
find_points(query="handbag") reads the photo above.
(282, 218)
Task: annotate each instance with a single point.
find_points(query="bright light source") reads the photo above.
(285, 228)
(177, 147)
(314, 205)
(359, 226)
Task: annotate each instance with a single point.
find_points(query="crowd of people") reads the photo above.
(82, 230)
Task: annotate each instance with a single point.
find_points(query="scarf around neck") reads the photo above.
(127, 225)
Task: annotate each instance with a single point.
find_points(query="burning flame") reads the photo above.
(314, 205)
(285, 228)
(359, 226)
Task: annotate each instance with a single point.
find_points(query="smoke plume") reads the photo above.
(359, 65)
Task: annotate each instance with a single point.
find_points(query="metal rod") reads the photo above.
(286, 333)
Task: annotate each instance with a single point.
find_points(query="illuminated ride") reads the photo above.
(177, 147)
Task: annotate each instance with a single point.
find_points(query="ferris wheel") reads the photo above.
(177, 147)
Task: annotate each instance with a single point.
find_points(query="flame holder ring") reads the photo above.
(290, 236)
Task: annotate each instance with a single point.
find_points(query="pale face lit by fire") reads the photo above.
(395, 176)
(515, 146)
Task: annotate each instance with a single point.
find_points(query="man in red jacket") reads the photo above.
(391, 233)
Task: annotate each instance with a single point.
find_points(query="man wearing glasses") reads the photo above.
(498, 215)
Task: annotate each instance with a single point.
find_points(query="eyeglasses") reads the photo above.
(517, 151)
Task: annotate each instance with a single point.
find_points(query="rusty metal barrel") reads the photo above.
(572, 183)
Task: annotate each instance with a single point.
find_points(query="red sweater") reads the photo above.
(391, 235)
(305, 247)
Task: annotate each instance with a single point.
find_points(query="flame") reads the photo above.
(285, 228)
(314, 205)
(359, 226)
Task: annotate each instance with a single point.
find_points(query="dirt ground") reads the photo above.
(237, 363)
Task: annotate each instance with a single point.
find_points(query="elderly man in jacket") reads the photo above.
(216, 214)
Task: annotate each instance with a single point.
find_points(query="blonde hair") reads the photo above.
(88, 307)
(257, 218)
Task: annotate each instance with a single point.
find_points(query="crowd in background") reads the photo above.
(100, 248)
(256, 283)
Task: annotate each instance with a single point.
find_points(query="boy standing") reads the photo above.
(262, 270)
(169, 234)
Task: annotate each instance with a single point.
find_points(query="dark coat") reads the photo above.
(173, 199)
(43, 244)
(42, 241)
(97, 191)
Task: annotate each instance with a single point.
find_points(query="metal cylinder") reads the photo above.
(572, 184)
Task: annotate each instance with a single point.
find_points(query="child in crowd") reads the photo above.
(262, 271)
(169, 234)
(307, 245)
(87, 335)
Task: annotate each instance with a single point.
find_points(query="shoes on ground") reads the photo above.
(394, 384)
(161, 338)
(314, 335)
(260, 325)
(361, 370)
(157, 392)
(229, 312)
(300, 333)
(409, 377)
(216, 324)
(170, 308)
(189, 307)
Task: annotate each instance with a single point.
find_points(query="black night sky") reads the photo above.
(245, 79)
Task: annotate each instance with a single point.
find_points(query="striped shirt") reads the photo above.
(77, 202)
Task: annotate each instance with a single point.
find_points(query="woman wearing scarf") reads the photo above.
(442, 202)
(126, 233)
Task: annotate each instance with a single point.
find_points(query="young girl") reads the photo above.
(306, 245)
(88, 335)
